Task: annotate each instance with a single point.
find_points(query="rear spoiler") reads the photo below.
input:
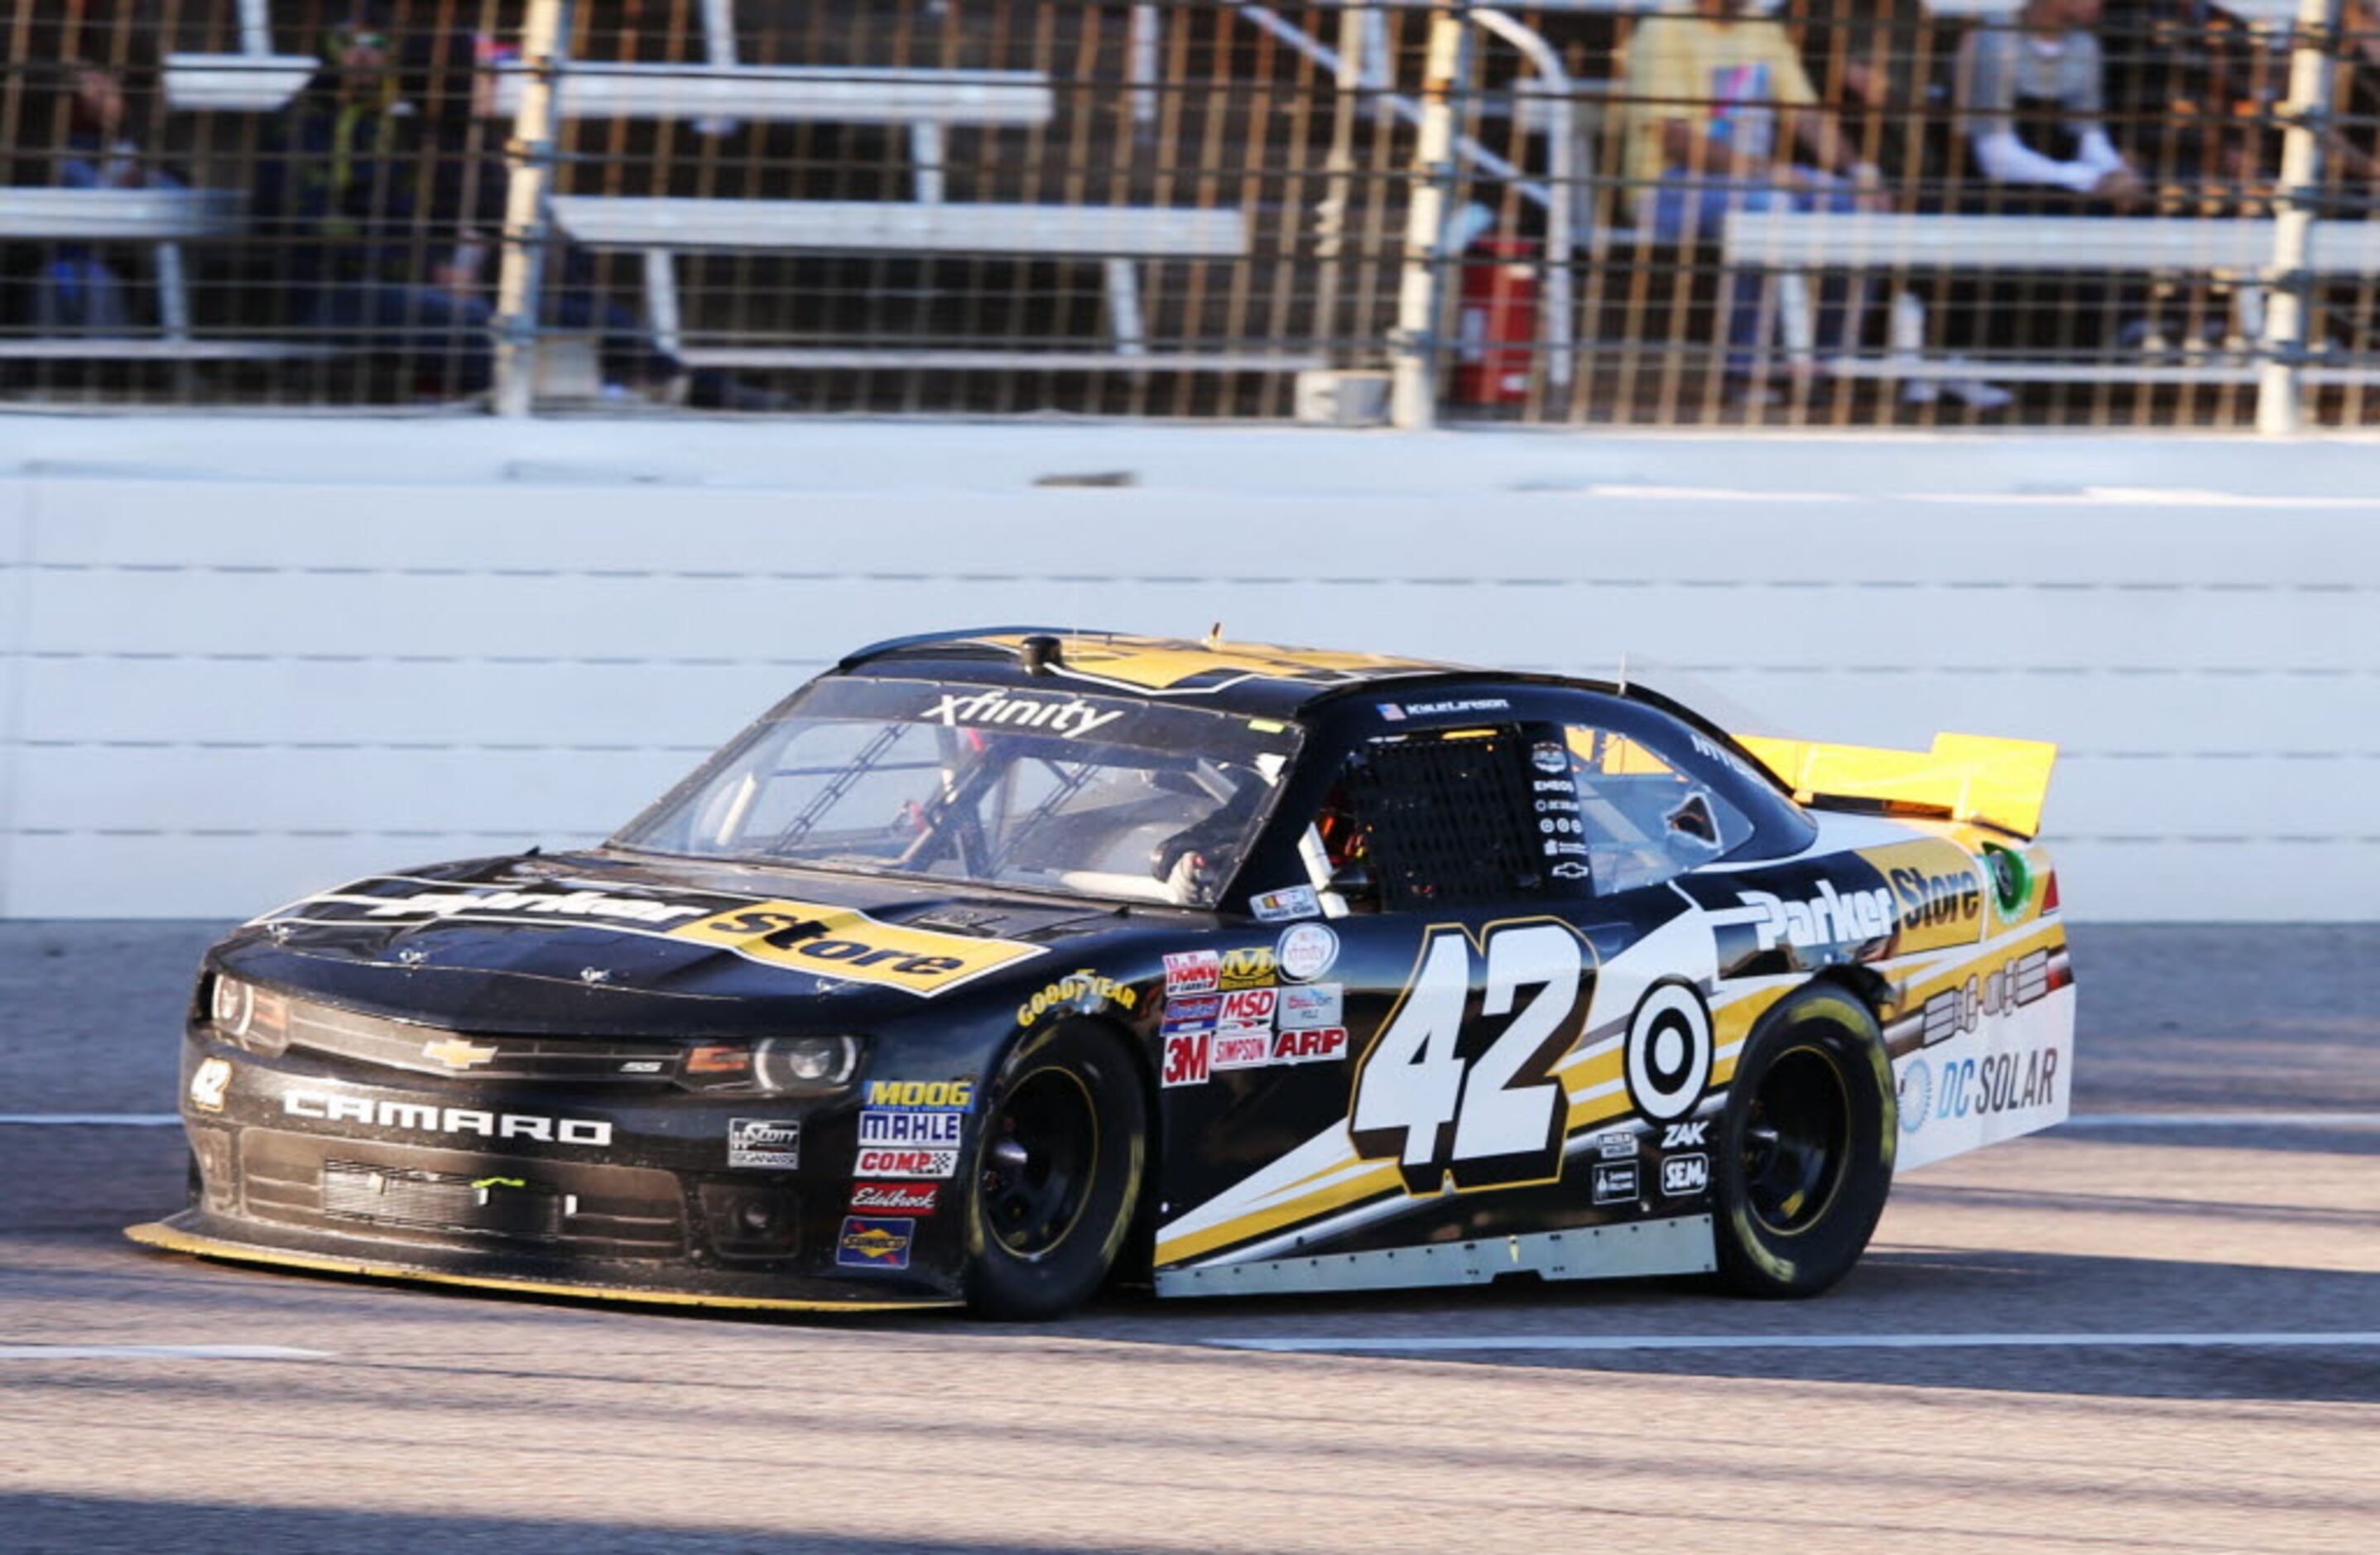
(1964, 777)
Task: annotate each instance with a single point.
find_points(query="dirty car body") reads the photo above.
(1413, 974)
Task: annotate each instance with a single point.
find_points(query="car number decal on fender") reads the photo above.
(1487, 1112)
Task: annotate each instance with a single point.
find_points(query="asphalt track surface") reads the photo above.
(2002, 1373)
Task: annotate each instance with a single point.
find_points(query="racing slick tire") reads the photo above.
(1057, 1177)
(1805, 1146)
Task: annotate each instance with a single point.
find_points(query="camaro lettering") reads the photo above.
(324, 1107)
(1074, 718)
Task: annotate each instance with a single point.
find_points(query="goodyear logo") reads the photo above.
(1073, 989)
(921, 1093)
(845, 943)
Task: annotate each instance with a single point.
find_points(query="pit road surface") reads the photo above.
(425, 1421)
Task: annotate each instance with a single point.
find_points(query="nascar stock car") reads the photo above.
(990, 966)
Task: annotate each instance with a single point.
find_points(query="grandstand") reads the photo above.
(1193, 208)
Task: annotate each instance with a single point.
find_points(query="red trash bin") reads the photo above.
(1496, 328)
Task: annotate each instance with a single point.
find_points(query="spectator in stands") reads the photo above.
(339, 184)
(79, 130)
(449, 82)
(2182, 78)
(1882, 68)
(2351, 144)
(1718, 101)
(2031, 103)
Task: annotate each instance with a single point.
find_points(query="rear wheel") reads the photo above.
(1058, 1169)
(1804, 1157)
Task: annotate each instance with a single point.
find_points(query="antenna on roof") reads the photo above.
(1623, 671)
(1215, 634)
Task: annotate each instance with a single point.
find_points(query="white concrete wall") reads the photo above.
(243, 660)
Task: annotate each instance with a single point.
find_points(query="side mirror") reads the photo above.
(1354, 885)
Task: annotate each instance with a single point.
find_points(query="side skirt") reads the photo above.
(1679, 1245)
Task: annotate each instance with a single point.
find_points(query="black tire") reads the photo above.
(1057, 1172)
(1805, 1144)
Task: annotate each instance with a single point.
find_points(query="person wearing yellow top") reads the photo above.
(1717, 102)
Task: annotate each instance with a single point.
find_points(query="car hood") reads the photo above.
(602, 944)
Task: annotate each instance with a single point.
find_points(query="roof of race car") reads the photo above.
(1258, 678)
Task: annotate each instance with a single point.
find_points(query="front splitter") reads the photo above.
(169, 1237)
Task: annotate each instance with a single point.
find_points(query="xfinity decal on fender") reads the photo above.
(326, 1107)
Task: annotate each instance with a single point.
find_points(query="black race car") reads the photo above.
(991, 966)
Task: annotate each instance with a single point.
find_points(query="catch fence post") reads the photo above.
(529, 222)
(1413, 378)
(2280, 377)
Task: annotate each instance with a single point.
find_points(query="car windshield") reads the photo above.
(1099, 797)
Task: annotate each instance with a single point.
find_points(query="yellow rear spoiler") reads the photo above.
(1970, 777)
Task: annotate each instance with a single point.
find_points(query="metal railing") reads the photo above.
(1844, 213)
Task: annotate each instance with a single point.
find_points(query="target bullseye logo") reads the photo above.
(1668, 1051)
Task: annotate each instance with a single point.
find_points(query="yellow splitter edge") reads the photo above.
(156, 1233)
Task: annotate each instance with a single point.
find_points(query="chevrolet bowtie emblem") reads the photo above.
(455, 1053)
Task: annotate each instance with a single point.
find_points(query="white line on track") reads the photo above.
(1813, 1341)
(2224, 1120)
(158, 1352)
(91, 1120)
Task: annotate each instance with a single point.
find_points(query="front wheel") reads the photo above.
(1805, 1142)
(1057, 1173)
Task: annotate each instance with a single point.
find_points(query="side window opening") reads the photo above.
(1646, 818)
(1434, 819)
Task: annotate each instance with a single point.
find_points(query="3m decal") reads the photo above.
(876, 1160)
(1668, 1051)
(771, 1143)
(896, 1198)
(1076, 989)
(1615, 1181)
(209, 1083)
(869, 1242)
(1193, 972)
(841, 942)
(1187, 1060)
(329, 1107)
(1473, 1100)
(1305, 951)
(1681, 1175)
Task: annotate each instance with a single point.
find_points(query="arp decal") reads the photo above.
(1470, 1099)
(841, 942)
(1668, 1051)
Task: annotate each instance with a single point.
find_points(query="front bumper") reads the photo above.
(632, 1191)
